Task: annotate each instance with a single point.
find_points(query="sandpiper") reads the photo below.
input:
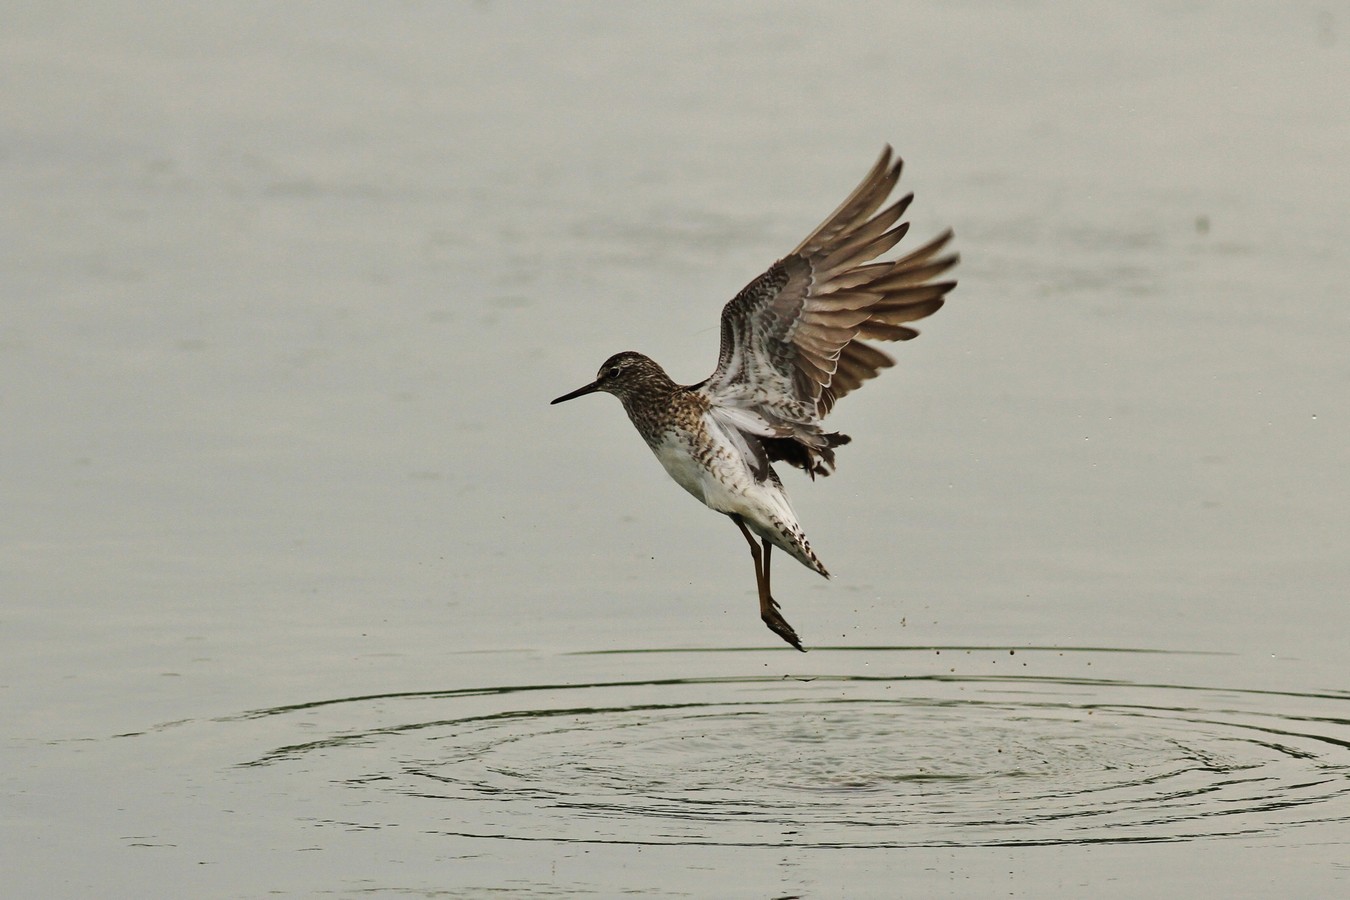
(792, 345)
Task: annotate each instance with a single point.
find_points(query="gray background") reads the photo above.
(287, 288)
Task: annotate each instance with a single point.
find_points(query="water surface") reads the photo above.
(305, 588)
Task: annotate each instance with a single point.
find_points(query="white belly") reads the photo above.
(721, 479)
(688, 472)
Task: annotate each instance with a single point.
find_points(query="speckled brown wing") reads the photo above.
(793, 339)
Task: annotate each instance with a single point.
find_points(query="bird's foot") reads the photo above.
(779, 625)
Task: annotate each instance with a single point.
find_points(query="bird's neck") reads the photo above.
(652, 404)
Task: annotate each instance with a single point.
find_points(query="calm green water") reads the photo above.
(305, 590)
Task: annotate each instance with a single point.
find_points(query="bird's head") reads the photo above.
(623, 375)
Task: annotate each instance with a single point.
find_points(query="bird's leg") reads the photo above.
(768, 607)
(768, 549)
(769, 611)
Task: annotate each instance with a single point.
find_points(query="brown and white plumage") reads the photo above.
(793, 339)
(793, 343)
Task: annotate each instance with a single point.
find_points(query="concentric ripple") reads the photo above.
(843, 761)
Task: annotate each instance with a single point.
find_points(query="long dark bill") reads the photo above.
(579, 392)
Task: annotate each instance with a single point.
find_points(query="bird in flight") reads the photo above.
(793, 343)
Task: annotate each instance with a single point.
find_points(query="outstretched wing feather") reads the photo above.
(792, 339)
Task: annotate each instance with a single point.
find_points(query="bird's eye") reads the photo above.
(612, 373)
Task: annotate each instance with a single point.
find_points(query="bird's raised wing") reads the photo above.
(792, 339)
